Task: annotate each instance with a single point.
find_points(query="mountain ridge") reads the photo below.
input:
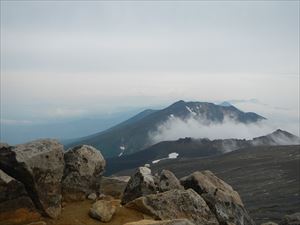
(132, 135)
(194, 148)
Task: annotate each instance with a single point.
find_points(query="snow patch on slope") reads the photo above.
(172, 155)
(191, 111)
(122, 148)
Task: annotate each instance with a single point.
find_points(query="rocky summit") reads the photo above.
(42, 184)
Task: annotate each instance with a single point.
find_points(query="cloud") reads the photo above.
(175, 128)
(286, 118)
(103, 57)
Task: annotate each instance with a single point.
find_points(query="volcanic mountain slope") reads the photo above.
(266, 177)
(132, 135)
(186, 147)
(191, 148)
(279, 137)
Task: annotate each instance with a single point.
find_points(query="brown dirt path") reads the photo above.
(76, 213)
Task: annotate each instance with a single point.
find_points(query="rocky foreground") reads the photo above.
(41, 184)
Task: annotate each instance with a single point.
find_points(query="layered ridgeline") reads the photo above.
(189, 148)
(133, 135)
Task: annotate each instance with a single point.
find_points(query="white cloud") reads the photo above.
(175, 128)
(96, 56)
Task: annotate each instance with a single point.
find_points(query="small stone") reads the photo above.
(92, 196)
(102, 196)
(102, 210)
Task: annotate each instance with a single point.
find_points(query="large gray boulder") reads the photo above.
(168, 181)
(175, 204)
(141, 183)
(15, 204)
(39, 166)
(224, 202)
(84, 166)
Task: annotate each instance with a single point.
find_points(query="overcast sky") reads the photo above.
(74, 59)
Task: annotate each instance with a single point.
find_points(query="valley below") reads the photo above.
(266, 177)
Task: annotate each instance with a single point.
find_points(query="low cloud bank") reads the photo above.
(175, 128)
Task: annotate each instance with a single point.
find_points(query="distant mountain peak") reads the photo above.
(279, 131)
(225, 104)
(178, 103)
(134, 132)
(278, 137)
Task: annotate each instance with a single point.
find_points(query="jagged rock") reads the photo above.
(168, 181)
(293, 219)
(140, 184)
(15, 205)
(175, 204)
(102, 210)
(162, 222)
(113, 186)
(224, 202)
(84, 166)
(38, 165)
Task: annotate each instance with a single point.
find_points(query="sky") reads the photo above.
(64, 60)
